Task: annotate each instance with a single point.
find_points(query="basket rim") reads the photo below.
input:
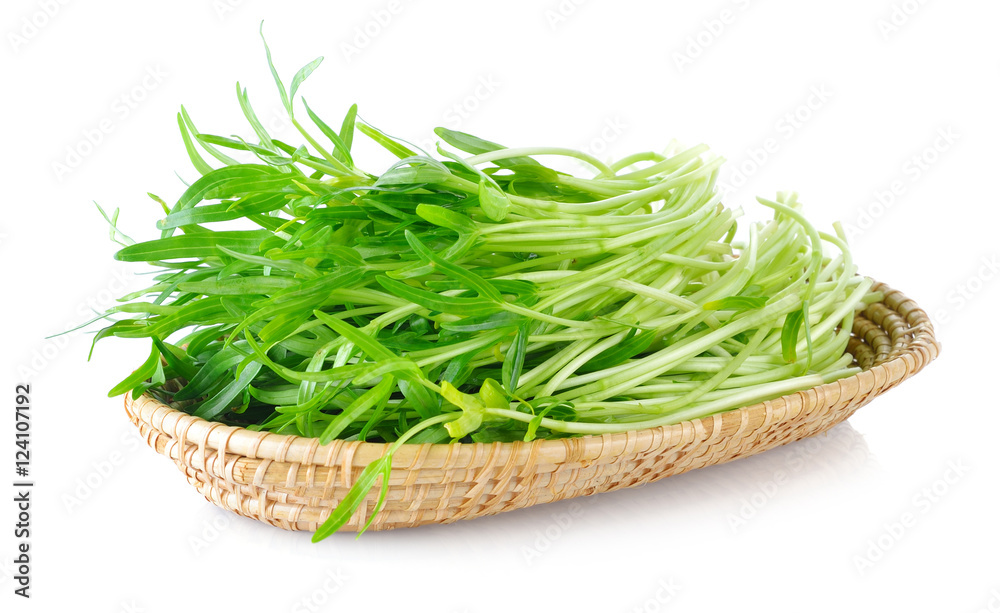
(920, 348)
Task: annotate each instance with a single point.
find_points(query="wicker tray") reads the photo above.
(293, 482)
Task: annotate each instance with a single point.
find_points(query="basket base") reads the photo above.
(294, 483)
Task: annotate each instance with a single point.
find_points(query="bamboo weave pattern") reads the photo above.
(293, 483)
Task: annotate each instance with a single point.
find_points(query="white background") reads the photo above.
(812, 526)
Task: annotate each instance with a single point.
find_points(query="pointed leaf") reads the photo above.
(347, 127)
(790, 334)
(355, 496)
(274, 73)
(302, 75)
(493, 200)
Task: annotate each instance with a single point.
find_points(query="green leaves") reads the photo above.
(795, 321)
(493, 200)
(466, 142)
(473, 411)
(514, 360)
(151, 369)
(391, 145)
(385, 307)
(377, 395)
(214, 370)
(252, 204)
(790, 334)
(633, 344)
(286, 100)
(355, 496)
(736, 303)
(199, 162)
(220, 402)
(342, 147)
(226, 182)
(251, 116)
(414, 169)
(552, 408)
(116, 235)
(347, 127)
(446, 218)
(301, 76)
(362, 341)
(189, 132)
(494, 321)
(192, 246)
(475, 145)
(471, 307)
(238, 286)
(467, 278)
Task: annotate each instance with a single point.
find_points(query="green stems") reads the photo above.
(485, 291)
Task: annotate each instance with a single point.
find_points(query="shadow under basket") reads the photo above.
(294, 482)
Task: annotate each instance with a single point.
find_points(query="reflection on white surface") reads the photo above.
(735, 493)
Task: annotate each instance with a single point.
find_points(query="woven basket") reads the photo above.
(293, 482)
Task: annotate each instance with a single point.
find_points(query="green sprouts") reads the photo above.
(472, 294)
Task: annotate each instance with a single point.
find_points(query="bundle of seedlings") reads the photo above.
(473, 293)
